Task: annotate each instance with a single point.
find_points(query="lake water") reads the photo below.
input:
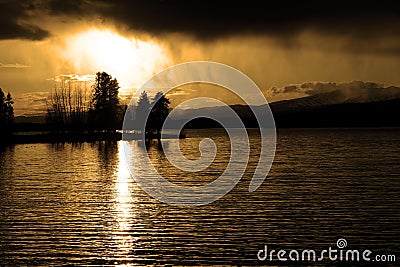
(77, 204)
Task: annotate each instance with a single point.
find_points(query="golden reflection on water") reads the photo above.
(76, 205)
(122, 235)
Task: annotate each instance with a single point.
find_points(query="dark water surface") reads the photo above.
(76, 204)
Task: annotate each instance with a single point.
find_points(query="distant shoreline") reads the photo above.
(73, 137)
(61, 138)
(89, 137)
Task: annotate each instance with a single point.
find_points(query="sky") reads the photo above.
(280, 45)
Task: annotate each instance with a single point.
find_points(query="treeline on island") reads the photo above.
(78, 113)
(74, 107)
(6, 114)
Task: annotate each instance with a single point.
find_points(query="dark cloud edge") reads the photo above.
(207, 19)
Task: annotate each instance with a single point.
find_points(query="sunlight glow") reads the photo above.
(130, 60)
(123, 206)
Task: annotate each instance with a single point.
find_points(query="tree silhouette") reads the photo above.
(9, 109)
(6, 112)
(68, 105)
(157, 115)
(142, 109)
(105, 111)
(159, 112)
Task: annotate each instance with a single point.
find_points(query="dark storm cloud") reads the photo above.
(211, 19)
(74, 7)
(14, 21)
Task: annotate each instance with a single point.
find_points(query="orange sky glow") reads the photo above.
(75, 40)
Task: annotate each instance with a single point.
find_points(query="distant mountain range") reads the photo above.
(385, 113)
(365, 107)
(350, 95)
